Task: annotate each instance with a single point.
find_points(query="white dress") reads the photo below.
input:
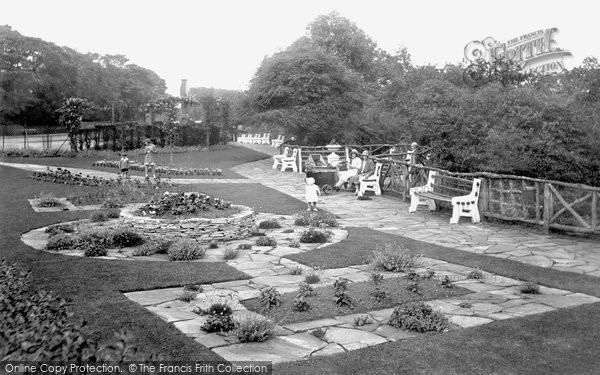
(343, 176)
(312, 193)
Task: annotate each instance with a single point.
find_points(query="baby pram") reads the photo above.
(325, 176)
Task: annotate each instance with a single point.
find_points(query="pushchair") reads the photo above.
(325, 176)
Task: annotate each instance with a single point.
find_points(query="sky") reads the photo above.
(221, 43)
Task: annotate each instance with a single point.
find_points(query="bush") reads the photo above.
(266, 241)
(419, 317)
(529, 288)
(304, 289)
(446, 282)
(187, 296)
(112, 203)
(362, 320)
(269, 224)
(113, 213)
(53, 230)
(254, 328)
(393, 260)
(219, 318)
(230, 254)
(313, 236)
(213, 245)
(101, 237)
(296, 271)
(315, 219)
(269, 298)
(245, 246)
(60, 242)
(313, 278)
(44, 323)
(318, 333)
(289, 230)
(193, 288)
(295, 244)
(152, 247)
(47, 200)
(98, 217)
(185, 249)
(475, 274)
(95, 250)
(126, 238)
(299, 304)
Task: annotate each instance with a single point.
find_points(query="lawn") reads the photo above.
(223, 159)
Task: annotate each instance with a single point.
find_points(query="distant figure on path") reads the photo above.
(312, 194)
(149, 150)
(124, 165)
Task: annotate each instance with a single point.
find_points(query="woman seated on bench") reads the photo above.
(367, 168)
(355, 165)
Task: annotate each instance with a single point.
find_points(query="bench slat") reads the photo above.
(436, 196)
(462, 191)
(451, 178)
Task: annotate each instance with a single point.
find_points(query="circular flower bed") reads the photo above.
(177, 215)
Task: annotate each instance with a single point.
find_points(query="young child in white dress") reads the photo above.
(312, 194)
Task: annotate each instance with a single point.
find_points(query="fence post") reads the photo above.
(548, 207)
(299, 161)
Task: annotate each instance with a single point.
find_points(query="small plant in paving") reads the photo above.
(300, 304)
(296, 271)
(362, 320)
(294, 244)
(393, 258)
(289, 230)
(315, 219)
(112, 213)
(269, 298)
(413, 287)
(314, 236)
(187, 296)
(380, 296)
(60, 242)
(185, 249)
(312, 278)
(193, 288)
(412, 275)
(475, 274)
(213, 245)
(98, 217)
(419, 317)
(245, 246)
(230, 253)
(339, 292)
(446, 282)
(219, 318)
(430, 274)
(318, 333)
(465, 305)
(47, 200)
(269, 224)
(377, 278)
(304, 289)
(254, 328)
(266, 241)
(529, 288)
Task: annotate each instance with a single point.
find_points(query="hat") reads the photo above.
(354, 151)
(310, 181)
(147, 140)
(365, 153)
(414, 144)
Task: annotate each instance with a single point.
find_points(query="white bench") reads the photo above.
(463, 194)
(290, 161)
(277, 158)
(371, 183)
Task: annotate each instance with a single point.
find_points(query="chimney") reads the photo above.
(183, 89)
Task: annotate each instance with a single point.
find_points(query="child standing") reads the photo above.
(149, 150)
(312, 194)
(124, 165)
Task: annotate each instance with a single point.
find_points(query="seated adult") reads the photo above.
(367, 169)
(355, 165)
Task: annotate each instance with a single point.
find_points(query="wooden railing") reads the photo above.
(545, 203)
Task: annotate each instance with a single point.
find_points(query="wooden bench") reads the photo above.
(463, 194)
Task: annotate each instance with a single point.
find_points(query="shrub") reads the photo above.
(230, 254)
(465, 305)
(529, 288)
(339, 292)
(152, 247)
(254, 328)
(95, 250)
(193, 288)
(269, 224)
(299, 304)
(379, 295)
(112, 203)
(93, 236)
(266, 241)
(187, 296)
(289, 230)
(245, 246)
(269, 298)
(446, 282)
(362, 320)
(60, 242)
(294, 244)
(413, 287)
(53, 230)
(126, 238)
(314, 236)
(394, 261)
(312, 278)
(412, 275)
(213, 245)
(377, 278)
(185, 249)
(318, 333)
(98, 217)
(113, 213)
(475, 274)
(219, 318)
(296, 271)
(315, 219)
(47, 200)
(304, 289)
(419, 317)
(44, 322)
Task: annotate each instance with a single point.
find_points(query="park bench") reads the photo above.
(290, 161)
(276, 142)
(265, 139)
(371, 183)
(277, 158)
(462, 193)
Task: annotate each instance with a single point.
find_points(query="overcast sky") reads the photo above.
(221, 43)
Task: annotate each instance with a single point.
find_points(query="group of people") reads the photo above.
(149, 151)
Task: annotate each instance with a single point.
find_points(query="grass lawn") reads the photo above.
(322, 303)
(222, 159)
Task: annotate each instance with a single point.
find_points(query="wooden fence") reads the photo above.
(545, 203)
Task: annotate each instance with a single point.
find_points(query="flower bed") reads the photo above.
(169, 171)
(64, 176)
(182, 203)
